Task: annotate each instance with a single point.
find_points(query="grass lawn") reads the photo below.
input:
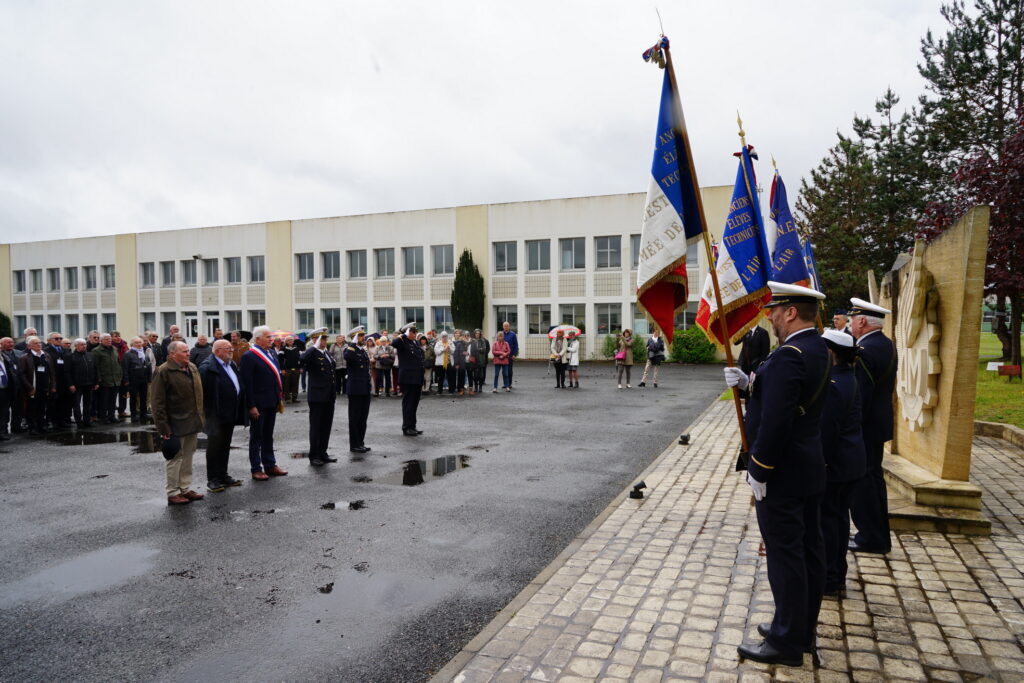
(998, 400)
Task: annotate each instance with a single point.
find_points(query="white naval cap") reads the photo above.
(784, 293)
(405, 328)
(838, 338)
(356, 330)
(317, 332)
(861, 307)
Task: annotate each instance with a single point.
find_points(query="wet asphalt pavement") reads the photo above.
(101, 581)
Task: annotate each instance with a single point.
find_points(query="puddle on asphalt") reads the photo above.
(415, 472)
(145, 441)
(88, 573)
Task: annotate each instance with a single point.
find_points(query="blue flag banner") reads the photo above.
(744, 267)
(812, 265)
(788, 264)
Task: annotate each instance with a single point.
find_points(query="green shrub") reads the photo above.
(691, 346)
(611, 342)
(5, 326)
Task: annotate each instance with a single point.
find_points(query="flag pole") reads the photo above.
(685, 138)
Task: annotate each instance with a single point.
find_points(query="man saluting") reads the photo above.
(410, 376)
(786, 470)
(357, 389)
(318, 363)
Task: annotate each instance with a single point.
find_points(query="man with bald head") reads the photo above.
(224, 405)
(176, 396)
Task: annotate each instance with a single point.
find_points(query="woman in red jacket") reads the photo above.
(501, 351)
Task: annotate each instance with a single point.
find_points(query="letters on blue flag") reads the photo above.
(788, 264)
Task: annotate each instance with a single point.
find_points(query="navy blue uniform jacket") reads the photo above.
(410, 360)
(260, 382)
(876, 378)
(357, 380)
(320, 377)
(841, 438)
(783, 424)
(220, 400)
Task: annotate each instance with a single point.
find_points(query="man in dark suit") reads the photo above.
(321, 394)
(264, 398)
(876, 378)
(357, 389)
(787, 471)
(59, 409)
(224, 405)
(754, 349)
(410, 376)
(137, 373)
(8, 386)
(38, 377)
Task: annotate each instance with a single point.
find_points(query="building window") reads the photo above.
(257, 269)
(167, 319)
(147, 274)
(304, 319)
(233, 320)
(109, 322)
(412, 260)
(331, 319)
(19, 281)
(503, 314)
(573, 251)
(188, 273)
(36, 279)
(71, 278)
(538, 317)
(357, 316)
(356, 266)
(109, 281)
(442, 317)
(538, 255)
(504, 257)
(692, 256)
(71, 328)
(53, 279)
(20, 323)
(443, 256)
(414, 314)
(640, 325)
(52, 323)
(257, 318)
(304, 266)
(233, 269)
(385, 319)
(37, 322)
(212, 321)
(89, 323)
(385, 260)
(89, 275)
(148, 322)
(330, 265)
(609, 318)
(211, 271)
(634, 249)
(609, 251)
(573, 314)
(167, 274)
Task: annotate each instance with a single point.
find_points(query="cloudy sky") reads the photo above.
(142, 115)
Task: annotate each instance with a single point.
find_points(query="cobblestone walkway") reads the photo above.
(665, 588)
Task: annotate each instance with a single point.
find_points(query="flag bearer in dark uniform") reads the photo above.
(357, 388)
(786, 470)
(843, 446)
(321, 394)
(876, 378)
(410, 376)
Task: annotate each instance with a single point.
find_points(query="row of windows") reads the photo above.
(34, 281)
(442, 257)
(68, 325)
(572, 254)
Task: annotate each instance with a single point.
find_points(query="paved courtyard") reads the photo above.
(665, 588)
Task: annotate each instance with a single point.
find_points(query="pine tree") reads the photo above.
(467, 300)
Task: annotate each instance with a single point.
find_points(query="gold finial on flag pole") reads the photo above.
(743, 136)
(774, 165)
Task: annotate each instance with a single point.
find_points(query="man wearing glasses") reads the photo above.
(59, 406)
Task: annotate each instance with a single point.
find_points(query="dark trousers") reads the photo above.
(122, 399)
(321, 419)
(59, 409)
(460, 378)
(503, 371)
(358, 411)
(37, 412)
(139, 392)
(440, 375)
(218, 448)
(791, 529)
(261, 439)
(17, 412)
(81, 404)
(869, 505)
(290, 384)
(410, 402)
(106, 404)
(383, 377)
(559, 374)
(835, 528)
(339, 376)
(6, 403)
(511, 362)
(477, 375)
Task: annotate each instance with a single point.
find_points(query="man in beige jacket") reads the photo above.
(176, 399)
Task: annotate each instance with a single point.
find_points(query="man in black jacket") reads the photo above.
(224, 406)
(321, 395)
(38, 377)
(59, 410)
(137, 374)
(410, 376)
(357, 389)
(8, 386)
(84, 381)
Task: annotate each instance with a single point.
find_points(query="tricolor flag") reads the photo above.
(743, 265)
(788, 263)
(812, 265)
(671, 222)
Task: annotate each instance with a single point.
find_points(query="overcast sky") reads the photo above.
(134, 116)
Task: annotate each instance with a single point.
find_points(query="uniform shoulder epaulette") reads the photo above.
(790, 346)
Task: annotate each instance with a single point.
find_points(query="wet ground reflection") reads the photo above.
(415, 472)
(145, 441)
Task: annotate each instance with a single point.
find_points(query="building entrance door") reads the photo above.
(212, 323)
(190, 330)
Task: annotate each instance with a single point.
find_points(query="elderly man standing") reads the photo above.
(239, 346)
(264, 398)
(109, 370)
(177, 399)
(38, 377)
(84, 381)
(201, 351)
(171, 333)
(224, 404)
(513, 345)
(137, 373)
(9, 414)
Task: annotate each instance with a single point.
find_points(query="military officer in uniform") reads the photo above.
(786, 471)
(357, 389)
(876, 378)
(410, 376)
(841, 321)
(321, 393)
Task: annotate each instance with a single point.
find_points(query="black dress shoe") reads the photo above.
(328, 458)
(359, 449)
(767, 654)
(231, 481)
(411, 432)
(215, 486)
(763, 629)
(855, 547)
(317, 462)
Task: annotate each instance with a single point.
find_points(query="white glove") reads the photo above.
(760, 489)
(735, 377)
